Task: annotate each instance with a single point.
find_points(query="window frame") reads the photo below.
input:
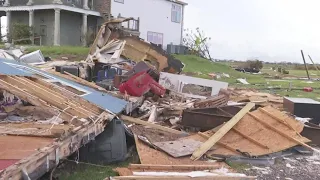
(174, 11)
(153, 36)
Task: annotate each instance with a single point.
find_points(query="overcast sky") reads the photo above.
(271, 30)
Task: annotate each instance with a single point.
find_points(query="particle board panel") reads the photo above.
(257, 131)
(179, 148)
(149, 155)
(19, 147)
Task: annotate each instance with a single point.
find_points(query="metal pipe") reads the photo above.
(305, 64)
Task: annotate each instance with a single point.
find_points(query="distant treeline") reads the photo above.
(302, 67)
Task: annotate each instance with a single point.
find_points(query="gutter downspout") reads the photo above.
(182, 25)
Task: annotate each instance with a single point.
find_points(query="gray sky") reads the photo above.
(271, 30)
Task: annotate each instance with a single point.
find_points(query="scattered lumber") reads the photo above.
(185, 177)
(221, 132)
(173, 167)
(155, 126)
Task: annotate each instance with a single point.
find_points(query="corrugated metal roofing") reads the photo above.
(101, 99)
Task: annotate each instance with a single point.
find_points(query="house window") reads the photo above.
(155, 38)
(119, 1)
(176, 13)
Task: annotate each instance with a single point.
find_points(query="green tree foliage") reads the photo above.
(254, 64)
(197, 43)
(20, 31)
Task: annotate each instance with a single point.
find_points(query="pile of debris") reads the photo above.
(182, 126)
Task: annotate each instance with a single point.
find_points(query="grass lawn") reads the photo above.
(201, 67)
(75, 53)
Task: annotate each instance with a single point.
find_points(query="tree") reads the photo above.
(254, 64)
(197, 43)
(21, 31)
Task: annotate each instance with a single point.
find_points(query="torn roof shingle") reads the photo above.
(103, 100)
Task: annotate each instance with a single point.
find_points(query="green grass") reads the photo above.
(59, 51)
(200, 67)
(88, 172)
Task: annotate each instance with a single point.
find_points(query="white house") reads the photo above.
(161, 21)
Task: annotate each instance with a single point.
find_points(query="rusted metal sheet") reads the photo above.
(312, 132)
(208, 118)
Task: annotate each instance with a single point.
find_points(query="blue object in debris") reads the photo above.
(103, 100)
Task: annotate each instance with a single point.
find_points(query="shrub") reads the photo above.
(20, 31)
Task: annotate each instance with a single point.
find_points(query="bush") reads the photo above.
(20, 31)
(254, 64)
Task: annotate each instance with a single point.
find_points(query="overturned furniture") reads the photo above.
(114, 44)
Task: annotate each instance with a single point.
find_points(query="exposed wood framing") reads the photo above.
(51, 154)
(220, 143)
(221, 132)
(280, 132)
(155, 126)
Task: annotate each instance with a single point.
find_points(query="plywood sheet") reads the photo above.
(19, 147)
(149, 155)
(179, 148)
(257, 131)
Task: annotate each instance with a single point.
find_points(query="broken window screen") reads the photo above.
(176, 13)
(119, 1)
(155, 38)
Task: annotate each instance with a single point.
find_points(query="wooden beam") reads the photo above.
(154, 126)
(249, 138)
(221, 132)
(220, 143)
(218, 177)
(62, 98)
(22, 94)
(283, 121)
(45, 97)
(280, 132)
(173, 167)
(68, 94)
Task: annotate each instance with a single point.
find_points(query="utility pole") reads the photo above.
(305, 65)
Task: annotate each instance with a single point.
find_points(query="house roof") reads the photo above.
(50, 6)
(103, 100)
(179, 2)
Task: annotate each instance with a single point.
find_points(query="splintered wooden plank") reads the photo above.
(221, 132)
(155, 126)
(179, 148)
(173, 167)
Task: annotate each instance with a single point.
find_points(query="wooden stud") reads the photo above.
(57, 95)
(81, 101)
(283, 121)
(155, 126)
(220, 143)
(46, 97)
(221, 132)
(173, 167)
(218, 177)
(280, 132)
(249, 138)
